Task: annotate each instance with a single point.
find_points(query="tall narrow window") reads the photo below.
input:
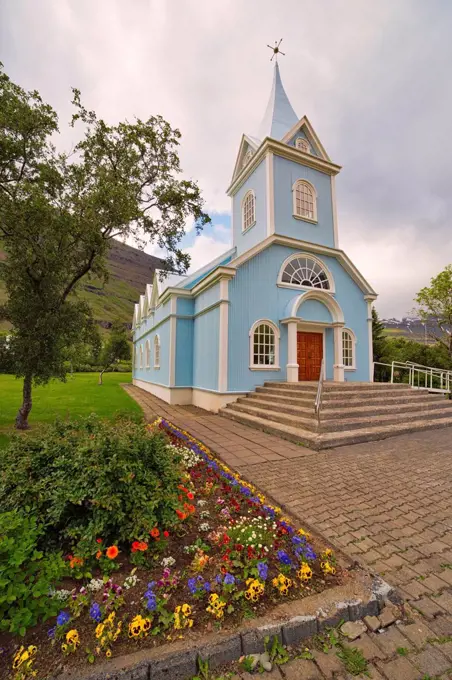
(348, 349)
(304, 200)
(141, 356)
(148, 354)
(248, 210)
(264, 345)
(157, 352)
(302, 144)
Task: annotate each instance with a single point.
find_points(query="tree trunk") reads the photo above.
(101, 374)
(24, 411)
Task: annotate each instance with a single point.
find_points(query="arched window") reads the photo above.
(248, 210)
(304, 200)
(157, 351)
(302, 144)
(264, 346)
(141, 356)
(305, 271)
(148, 354)
(348, 348)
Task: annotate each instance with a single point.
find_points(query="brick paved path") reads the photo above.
(387, 504)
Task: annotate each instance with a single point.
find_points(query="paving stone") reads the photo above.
(387, 617)
(328, 663)
(441, 626)
(417, 633)
(445, 601)
(301, 669)
(372, 623)
(415, 589)
(390, 640)
(223, 651)
(353, 629)
(374, 674)
(399, 669)
(428, 607)
(367, 647)
(274, 674)
(431, 661)
(434, 583)
(446, 649)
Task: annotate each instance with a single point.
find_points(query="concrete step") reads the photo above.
(337, 425)
(374, 433)
(336, 386)
(275, 415)
(293, 434)
(341, 411)
(351, 398)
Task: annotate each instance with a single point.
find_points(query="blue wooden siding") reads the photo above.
(286, 174)
(184, 352)
(185, 306)
(256, 234)
(151, 374)
(207, 298)
(205, 349)
(314, 310)
(302, 133)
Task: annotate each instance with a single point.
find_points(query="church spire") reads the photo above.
(279, 116)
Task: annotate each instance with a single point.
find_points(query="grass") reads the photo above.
(78, 397)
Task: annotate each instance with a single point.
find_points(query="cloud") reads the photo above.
(373, 77)
(204, 249)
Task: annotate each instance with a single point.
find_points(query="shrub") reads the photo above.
(88, 479)
(26, 574)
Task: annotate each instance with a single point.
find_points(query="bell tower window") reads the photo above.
(302, 144)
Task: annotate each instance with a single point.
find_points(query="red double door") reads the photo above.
(309, 355)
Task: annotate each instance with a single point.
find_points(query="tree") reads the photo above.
(378, 336)
(59, 213)
(116, 348)
(435, 308)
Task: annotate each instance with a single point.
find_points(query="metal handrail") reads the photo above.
(318, 399)
(422, 374)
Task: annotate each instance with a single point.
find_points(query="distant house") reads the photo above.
(284, 303)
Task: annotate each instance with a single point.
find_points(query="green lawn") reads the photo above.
(79, 396)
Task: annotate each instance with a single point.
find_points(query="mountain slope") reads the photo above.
(130, 271)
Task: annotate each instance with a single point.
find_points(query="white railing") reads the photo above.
(416, 375)
(318, 399)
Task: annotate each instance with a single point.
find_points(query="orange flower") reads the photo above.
(181, 514)
(112, 552)
(190, 496)
(75, 562)
(182, 488)
(155, 533)
(98, 554)
(139, 546)
(190, 509)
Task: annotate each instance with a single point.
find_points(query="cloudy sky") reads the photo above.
(373, 77)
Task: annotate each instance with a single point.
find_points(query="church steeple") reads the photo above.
(279, 116)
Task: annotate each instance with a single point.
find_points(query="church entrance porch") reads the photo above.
(309, 355)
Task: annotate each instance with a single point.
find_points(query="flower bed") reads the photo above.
(228, 556)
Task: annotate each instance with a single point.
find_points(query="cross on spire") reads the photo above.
(275, 49)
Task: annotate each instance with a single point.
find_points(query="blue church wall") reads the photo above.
(207, 298)
(151, 374)
(185, 306)
(205, 349)
(286, 174)
(184, 352)
(301, 133)
(256, 234)
(314, 310)
(254, 295)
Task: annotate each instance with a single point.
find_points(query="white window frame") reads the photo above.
(141, 355)
(147, 354)
(248, 194)
(295, 286)
(311, 187)
(264, 367)
(301, 141)
(352, 337)
(157, 351)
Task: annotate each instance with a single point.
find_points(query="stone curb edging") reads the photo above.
(183, 664)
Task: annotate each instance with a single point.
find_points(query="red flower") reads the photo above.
(98, 540)
(181, 514)
(139, 546)
(166, 534)
(190, 496)
(155, 533)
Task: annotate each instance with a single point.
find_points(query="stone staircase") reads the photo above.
(350, 413)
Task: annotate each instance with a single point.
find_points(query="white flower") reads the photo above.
(204, 514)
(130, 581)
(201, 503)
(204, 527)
(95, 584)
(61, 595)
(168, 561)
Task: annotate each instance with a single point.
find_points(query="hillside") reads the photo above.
(130, 271)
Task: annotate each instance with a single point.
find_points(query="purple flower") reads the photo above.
(218, 579)
(63, 618)
(297, 540)
(207, 587)
(51, 632)
(262, 568)
(283, 557)
(192, 585)
(95, 612)
(150, 597)
(229, 580)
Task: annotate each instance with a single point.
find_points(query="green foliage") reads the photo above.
(378, 336)
(58, 215)
(116, 348)
(26, 574)
(353, 660)
(90, 479)
(435, 302)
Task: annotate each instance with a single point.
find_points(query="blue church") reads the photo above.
(283, 304)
